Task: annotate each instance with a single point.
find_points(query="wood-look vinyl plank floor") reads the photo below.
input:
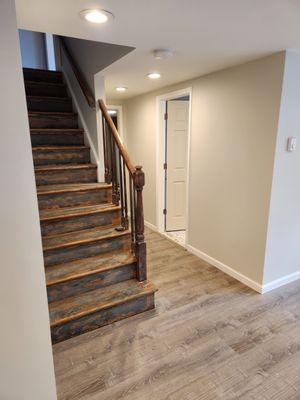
(209, 338)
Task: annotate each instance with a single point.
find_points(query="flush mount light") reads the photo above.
(121, 89)
(161, 54)
(112, 112)
(154, 75)
(96, 16)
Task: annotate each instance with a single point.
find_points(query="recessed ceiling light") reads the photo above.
(154, 75)
(121, 89)
(96, 16)
(112, 112)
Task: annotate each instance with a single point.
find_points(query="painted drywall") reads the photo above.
(33, 49)
(92, 57)
(233, 137)
(282, 253)
(26, 365)
(86, 114)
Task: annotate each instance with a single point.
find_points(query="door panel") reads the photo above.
(177, 136)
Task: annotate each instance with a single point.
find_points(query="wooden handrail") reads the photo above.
(118, 142)
(118, 172)
(79, 76)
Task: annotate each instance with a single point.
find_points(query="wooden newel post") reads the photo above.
(140, 245)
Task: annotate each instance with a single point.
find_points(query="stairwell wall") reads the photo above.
(26, 364)
(233, 138)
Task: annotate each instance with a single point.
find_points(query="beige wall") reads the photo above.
(26, 365)
(233, 136)
(282, 254)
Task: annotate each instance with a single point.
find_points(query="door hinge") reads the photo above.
(166, 116)
(165, 211)
(165, 165)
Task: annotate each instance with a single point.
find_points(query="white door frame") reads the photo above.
(161, 102)
(119, 118)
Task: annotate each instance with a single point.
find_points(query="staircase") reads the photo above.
(92, 272)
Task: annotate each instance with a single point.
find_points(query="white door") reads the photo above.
(176, 154)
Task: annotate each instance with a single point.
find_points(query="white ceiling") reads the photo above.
(205, 35)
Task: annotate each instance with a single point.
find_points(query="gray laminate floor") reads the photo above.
(209, 338)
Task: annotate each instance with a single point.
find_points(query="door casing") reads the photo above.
(160, 157)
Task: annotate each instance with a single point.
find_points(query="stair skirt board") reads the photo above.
(101, 318)
(72, 199)
(92, 281)
(105, 218)
(87, 249)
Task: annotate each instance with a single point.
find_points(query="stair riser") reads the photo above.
(53, 121)
(33, 89)
(42, 139)
(61, 255)
(74, 199)
(102, 318)
(95, 281)
(49, 105)
(105, 219)
(42, 76)
(66, 176)
(79, 156)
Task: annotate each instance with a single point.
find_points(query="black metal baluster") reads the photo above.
(125, 197)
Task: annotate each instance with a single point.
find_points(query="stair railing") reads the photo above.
(127, 187)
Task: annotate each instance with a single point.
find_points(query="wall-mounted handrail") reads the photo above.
(88, 94)
(127, 187)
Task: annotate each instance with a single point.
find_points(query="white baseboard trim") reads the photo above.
(267, 287)
(225, 268)
(151, 226)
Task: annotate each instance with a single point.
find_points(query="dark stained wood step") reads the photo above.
(56, 137)
(52, 120)
(80, 276)
(74, 194)
(65, 173)
(42, 103)
(42, 75)
(43, 155)
(85, 243)
(99, 307)
(63, 220)
(45, 89)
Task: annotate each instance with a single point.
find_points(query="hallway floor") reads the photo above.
(209, 338)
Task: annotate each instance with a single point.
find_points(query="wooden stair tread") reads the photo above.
(53, 147)
(66, 310)
(48, 98)
(57, 167)
(46, 71)
(44, 83)
(54, 131)
(87, 266)
(71, 187)
(80, 237)
(59, 213)
(51, 113)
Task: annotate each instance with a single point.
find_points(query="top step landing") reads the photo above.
(42, 75)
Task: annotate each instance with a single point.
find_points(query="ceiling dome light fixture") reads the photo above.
(121, 89)
(154, 75)
(161, 54)
(96, 16)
